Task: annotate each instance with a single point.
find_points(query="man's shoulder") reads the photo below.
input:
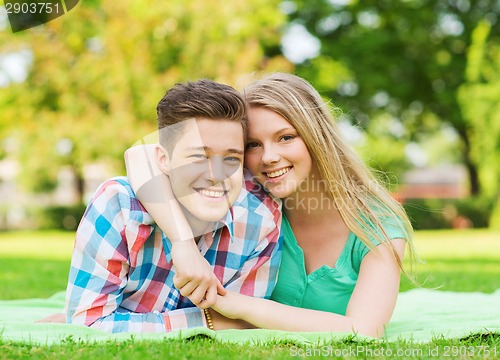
(119, 191)
(115, 185)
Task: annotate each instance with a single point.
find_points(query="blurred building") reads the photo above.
(18, 208)
(439, 182)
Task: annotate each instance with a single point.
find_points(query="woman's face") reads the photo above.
(275, 154)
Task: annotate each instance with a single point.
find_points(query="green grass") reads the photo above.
(465, 260)
(35, 264)
(206, 348)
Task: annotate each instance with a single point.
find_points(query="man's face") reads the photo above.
(206, 167)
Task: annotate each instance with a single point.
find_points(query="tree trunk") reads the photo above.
(471, 166)
(79, 184)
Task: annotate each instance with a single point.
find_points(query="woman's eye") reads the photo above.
(252, 145)
(287, 138)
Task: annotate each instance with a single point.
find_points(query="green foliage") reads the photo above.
(480, 103)
(495, 217)
(407, 59)
(383, 149)
(60, 217)
(99, 71)
(478, 210)
(426, 214)
(449, 213)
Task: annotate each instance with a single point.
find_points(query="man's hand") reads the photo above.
(194, 276)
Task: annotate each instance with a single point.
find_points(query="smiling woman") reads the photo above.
(275, 153)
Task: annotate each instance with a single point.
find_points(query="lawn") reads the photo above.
(464, 260)
(35, 264)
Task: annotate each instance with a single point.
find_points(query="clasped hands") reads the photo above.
(194, 276)
(196, 280)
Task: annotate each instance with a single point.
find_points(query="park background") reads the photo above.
(418, 83)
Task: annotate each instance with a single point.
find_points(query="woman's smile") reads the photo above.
(276, 154)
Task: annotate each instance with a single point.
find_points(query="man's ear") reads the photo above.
(162, 159)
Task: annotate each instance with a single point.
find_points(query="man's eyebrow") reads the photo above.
(236, 151)
(206, 148)
(197, 148)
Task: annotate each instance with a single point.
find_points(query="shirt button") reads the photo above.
(301, 291)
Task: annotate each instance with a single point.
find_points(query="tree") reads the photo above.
(479, 99)
(404, 58)
(99, 71)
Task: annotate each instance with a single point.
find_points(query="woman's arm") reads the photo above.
(194, 276)
(221, 322)
(369, 310)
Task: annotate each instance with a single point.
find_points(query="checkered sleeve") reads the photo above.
(100, 269)
(126, 321)
(258, 272)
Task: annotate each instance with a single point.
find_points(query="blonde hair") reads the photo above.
(364, 204)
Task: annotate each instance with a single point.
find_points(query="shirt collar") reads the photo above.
(227, 221)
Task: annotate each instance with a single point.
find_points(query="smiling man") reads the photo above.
(204, 168)
(127, 275)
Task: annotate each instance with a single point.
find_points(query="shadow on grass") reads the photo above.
(32, 278)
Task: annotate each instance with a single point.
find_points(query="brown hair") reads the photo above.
(200, 99)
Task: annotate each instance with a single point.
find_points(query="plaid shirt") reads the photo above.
(121, 275)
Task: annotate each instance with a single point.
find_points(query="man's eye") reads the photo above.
(233, 159)
(197, 156)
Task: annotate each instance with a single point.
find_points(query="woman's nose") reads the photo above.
(270, 155)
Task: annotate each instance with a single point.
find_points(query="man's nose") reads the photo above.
(217, 171)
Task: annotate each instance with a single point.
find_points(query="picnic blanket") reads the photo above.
(420, 315)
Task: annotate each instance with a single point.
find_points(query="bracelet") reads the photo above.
(210, 324)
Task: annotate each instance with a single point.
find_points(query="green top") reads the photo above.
(326, 289)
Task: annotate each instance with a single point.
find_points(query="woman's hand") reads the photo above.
(54, 318)
(230, 305)
(141, 165)
(194, 277)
